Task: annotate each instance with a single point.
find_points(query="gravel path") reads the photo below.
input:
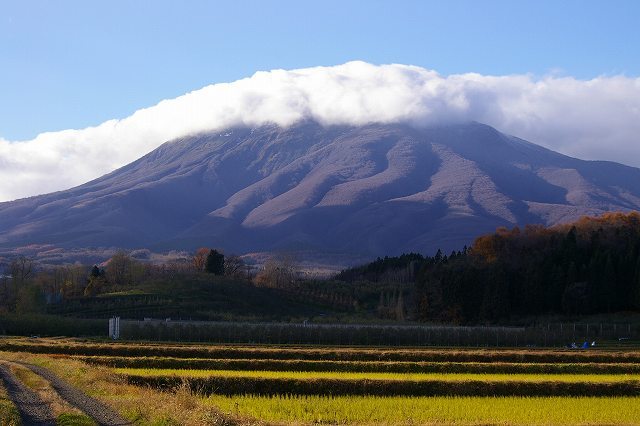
(99, 412)
(33, 410)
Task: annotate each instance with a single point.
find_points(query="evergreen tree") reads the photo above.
(400, 307)
(570, 244)
(96, 272)
(215, 263)
(572, 274)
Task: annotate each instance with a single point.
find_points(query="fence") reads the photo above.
(586, 332)
(373, 335)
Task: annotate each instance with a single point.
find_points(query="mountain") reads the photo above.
(378, 189)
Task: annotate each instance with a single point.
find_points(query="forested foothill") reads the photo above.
(591, 266)
(512, 276)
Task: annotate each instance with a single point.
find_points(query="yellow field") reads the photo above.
(159, 396)
(434, 410)
(464, 377)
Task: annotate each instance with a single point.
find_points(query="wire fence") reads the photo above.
(544, 335)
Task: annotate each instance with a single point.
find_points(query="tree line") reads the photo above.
(591, 266)
(26, 287)
(587, 267)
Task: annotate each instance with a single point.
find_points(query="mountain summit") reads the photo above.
(378, 189)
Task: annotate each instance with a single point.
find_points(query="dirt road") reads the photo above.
(98, 411)
(33, 410)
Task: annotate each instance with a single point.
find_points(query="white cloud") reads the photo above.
(593, 119)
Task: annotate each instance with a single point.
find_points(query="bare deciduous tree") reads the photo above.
(234, 266)
(122, 269)
(278, 272)
(21, 270)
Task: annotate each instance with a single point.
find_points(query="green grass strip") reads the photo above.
(9, 415)
(68, 419)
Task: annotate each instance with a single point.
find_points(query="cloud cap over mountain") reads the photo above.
(593, 119)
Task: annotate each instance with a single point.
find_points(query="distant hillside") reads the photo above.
(373, 190)
(189, 296)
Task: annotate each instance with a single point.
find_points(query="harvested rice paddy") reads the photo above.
(300, 385)
(311, 375)
(433, 410)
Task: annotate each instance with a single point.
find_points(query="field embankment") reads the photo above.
(324, 353)
(361, 366)
(282, 383)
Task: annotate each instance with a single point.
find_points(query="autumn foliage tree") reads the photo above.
(199, 258)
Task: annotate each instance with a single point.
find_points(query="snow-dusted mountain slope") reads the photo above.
(369, 190)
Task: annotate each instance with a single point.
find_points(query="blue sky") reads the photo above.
(72, 64)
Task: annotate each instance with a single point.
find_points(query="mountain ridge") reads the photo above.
(368, 190)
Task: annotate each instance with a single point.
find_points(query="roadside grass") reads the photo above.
(433, 410)
(311, 375)
(74, 420)
(141, 405)
(8, 412)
